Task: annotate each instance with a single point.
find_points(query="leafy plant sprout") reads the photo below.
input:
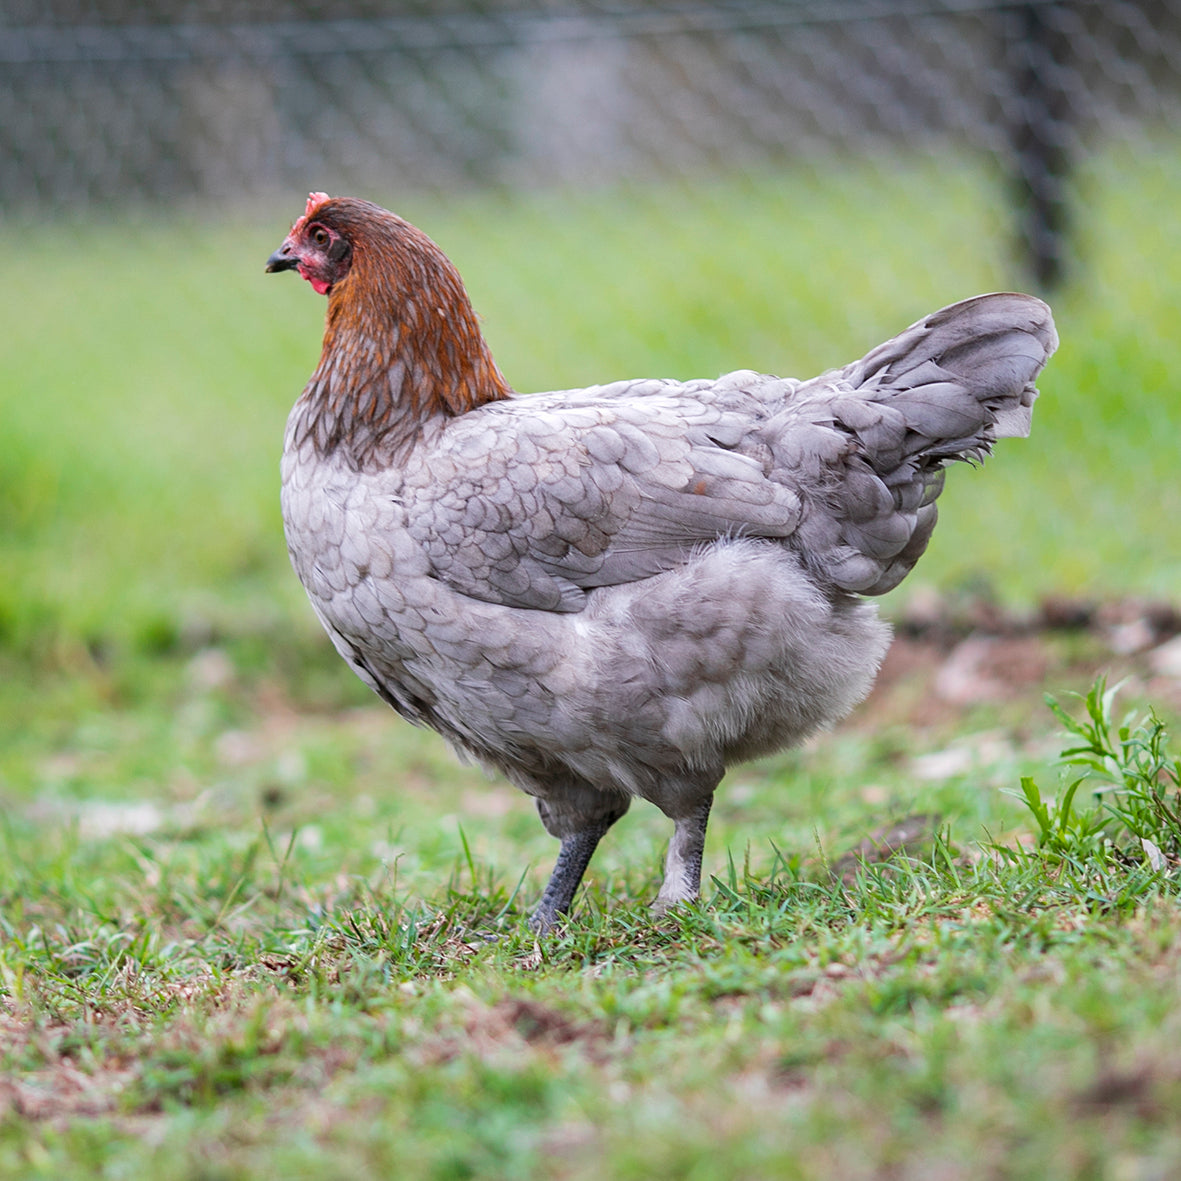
(1134, 818)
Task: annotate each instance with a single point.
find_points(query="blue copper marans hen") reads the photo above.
(616, 591)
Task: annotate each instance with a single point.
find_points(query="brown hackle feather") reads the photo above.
(402, 342)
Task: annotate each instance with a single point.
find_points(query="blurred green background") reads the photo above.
(151, 363)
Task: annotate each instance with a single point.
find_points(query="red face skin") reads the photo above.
(314, 249)
(319, 286)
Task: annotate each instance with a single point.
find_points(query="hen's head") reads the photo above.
(316, 247)
(399, 321)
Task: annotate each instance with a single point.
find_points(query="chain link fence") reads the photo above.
(239, 101)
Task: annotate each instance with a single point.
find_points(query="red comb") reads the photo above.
(315, 200)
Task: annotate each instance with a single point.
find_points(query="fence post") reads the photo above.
(1038, 52)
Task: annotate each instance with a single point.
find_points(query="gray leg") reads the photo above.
(573, 858)
(682, 866)
(578, 819)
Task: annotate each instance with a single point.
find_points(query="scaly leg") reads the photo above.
(682, 866)
(573, 858)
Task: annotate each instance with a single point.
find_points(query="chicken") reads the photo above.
(616, 591)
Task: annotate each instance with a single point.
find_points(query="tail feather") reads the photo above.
(945, 389)
(991, 348)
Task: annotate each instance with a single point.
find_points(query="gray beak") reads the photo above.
(283, 259)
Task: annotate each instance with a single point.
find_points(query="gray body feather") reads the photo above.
(614, 592)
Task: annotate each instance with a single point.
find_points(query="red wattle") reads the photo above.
(319, 286)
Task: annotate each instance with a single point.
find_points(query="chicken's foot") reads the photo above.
(682, 865)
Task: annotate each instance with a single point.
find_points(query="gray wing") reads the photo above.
(534, 502)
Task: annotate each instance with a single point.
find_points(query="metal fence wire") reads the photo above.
(238, 99)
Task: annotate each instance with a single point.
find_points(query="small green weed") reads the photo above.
(1134, 818)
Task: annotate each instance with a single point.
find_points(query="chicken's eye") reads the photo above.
(320, 236)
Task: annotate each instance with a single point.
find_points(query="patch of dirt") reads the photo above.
(950, 656)
(62, 1090)
(1148, 1089)
(514, 1027)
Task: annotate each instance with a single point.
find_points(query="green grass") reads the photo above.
(309, 961)
(251, 925)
